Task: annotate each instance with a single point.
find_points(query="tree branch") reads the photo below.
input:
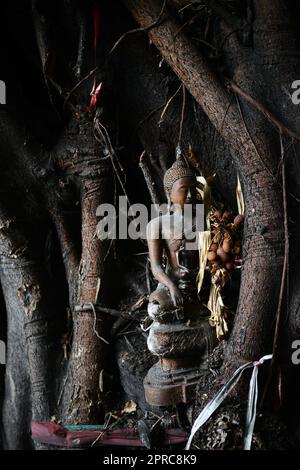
(150, 181)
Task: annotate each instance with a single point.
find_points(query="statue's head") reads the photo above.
(180, 183)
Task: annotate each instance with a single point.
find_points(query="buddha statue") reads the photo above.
(180, 334)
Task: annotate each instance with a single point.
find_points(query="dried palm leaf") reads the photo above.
(240, 197)
(216, 307)
(204, 244)
(205, 192)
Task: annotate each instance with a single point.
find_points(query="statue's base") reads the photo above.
(186, 339)
(171, 382)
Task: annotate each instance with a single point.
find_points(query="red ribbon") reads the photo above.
(96, 27)
(94, 96)
(96, 88)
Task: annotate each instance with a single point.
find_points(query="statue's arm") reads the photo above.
(155, 246)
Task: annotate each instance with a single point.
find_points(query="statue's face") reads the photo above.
(184, 192)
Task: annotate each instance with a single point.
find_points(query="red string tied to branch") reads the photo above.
(95, 93)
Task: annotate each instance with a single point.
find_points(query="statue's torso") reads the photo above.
(183, 262)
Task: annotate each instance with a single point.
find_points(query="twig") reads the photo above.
(84, 79)
(97, 438)
(95, 323)
(182, 115)
(109, 144)
(205, 42)
(106, 427)
(101, 129)
(139, 303)
(155, 415)
(156, 423)
(148, 276)
(124, 332)
(156, 166)
(62, 388)
(168, 104)
(109, 311)
(188, 5)
(286, 258)
(138, 30)
(129, 343)
(148, 116)
(149, 180)
(195, 161)
(111, 243)
(284, 278)
(282, 129)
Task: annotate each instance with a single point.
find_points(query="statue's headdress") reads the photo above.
(178, 170)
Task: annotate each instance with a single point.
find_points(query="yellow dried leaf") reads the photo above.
(240, 197)
(129, 407)
(216, 306)
(204, 244)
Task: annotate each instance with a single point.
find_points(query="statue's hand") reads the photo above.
(176, 296)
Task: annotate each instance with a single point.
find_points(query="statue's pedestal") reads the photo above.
(182, 348)
(165, 387)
